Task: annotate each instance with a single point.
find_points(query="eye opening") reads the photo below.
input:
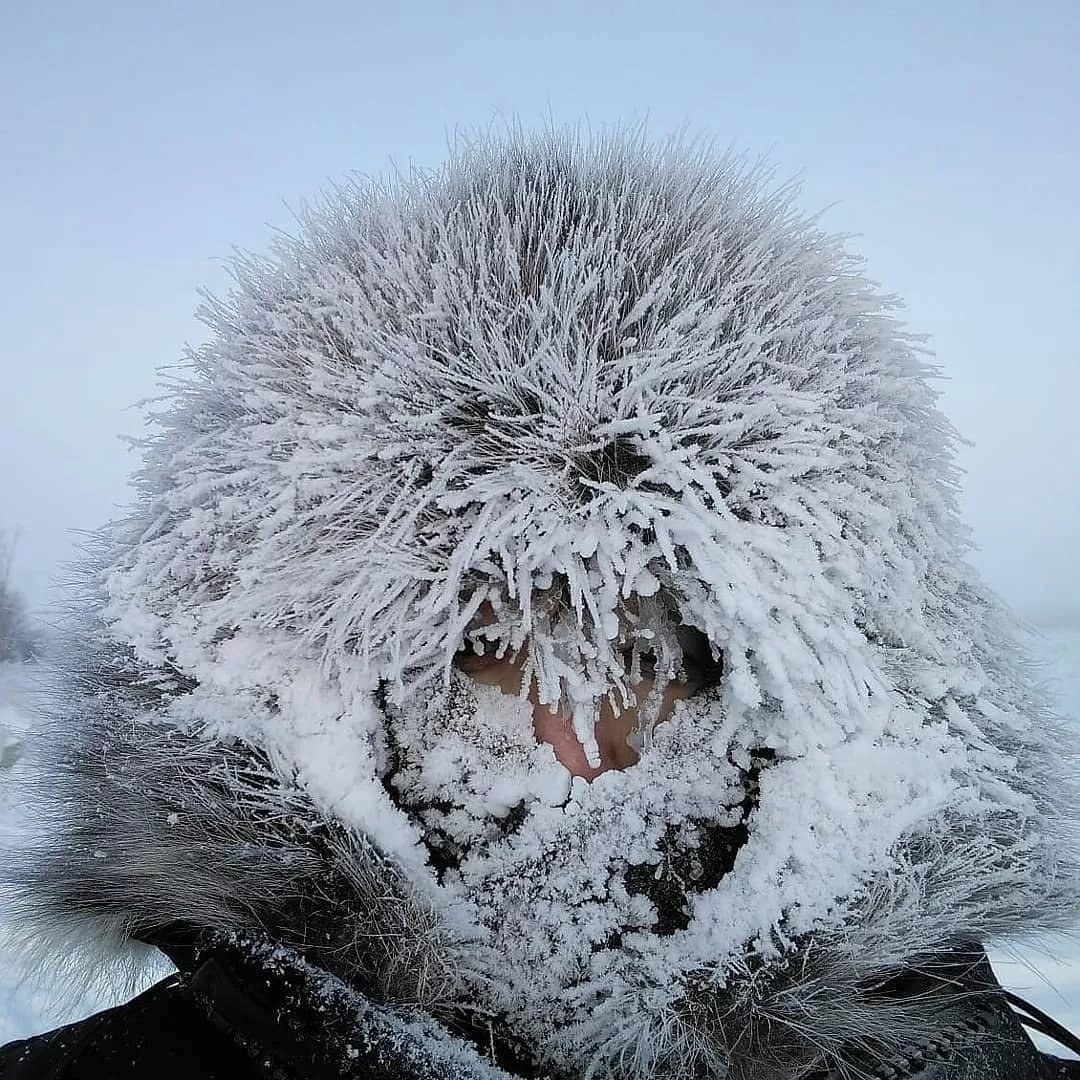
(701, 669)
(646, 660)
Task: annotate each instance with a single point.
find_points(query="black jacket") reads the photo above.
(244, 1014)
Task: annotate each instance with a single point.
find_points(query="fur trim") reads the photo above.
(600, 386)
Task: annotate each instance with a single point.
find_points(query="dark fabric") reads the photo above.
(262, 1014)
(162, 1034)
(247, 1012)
(300, 1021)
(978, 1036)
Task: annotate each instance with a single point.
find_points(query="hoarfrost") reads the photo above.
(598, 391)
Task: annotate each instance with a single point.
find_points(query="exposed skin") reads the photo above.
(612, 728)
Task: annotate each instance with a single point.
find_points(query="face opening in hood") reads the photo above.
(572, 881)
(621, 723)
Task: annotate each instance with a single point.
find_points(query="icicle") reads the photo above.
(585, 714)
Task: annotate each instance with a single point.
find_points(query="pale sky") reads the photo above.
(141, 143)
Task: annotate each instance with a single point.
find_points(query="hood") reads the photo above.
(568, 394)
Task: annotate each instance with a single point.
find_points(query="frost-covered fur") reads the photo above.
(600, 390)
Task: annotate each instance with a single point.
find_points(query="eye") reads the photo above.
(701, 668)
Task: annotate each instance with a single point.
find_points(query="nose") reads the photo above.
(612, 729)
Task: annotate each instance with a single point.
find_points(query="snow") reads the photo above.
(696, 414)
(28, 1004)
(1047, 974)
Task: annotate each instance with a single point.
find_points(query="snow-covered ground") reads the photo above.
(28, 1006)
(1048, 976)
(20, 1010)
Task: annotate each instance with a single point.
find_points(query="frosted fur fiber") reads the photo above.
(608, 388)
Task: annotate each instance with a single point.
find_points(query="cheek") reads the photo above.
(492, 672)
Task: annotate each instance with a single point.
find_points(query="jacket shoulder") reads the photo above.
(162, 1034)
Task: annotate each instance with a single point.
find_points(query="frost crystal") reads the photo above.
(602, 391)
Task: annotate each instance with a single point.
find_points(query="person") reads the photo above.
(544, 646)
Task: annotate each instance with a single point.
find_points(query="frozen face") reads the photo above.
(614, 724)
(566, 889)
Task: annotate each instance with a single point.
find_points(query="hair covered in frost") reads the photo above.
(599, 371)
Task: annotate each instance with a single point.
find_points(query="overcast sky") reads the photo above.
(140, 145)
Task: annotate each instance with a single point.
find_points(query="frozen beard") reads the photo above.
(588, 911)
(579, 895)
